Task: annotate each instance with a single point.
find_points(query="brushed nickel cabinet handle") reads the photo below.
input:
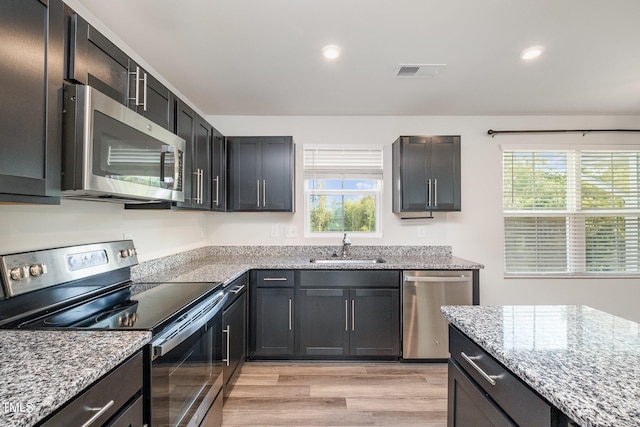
(489, 378)
(227, 331)
(346, 315)
(290, 314)
(98, 413)
(258, 192)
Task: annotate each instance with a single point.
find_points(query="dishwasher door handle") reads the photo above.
(437, 279)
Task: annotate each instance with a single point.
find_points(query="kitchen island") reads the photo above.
(584, 362)
(42, 370)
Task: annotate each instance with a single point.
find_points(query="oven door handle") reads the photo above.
(188, 324)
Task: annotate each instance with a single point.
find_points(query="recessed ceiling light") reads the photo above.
(331, 51)
(531, 52)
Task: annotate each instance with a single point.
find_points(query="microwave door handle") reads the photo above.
(163, 156)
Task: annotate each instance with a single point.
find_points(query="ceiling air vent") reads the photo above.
(418, 70)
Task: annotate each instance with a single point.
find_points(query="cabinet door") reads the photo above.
(185, 129)
(374, 322)
(328, 308)
(277, 174)
(273, 325)
(202, 161)
(150, 98)
(469, 405)
(96, 61)
(31, 63)
(260, 173)
(234, 324)
(218, 172)
(244, 174)
(444, 166)
(415, 177)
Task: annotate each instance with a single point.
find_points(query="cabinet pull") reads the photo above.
(264, 193)
(217, 181)
(429, 192)
(290, 314)
(353, 315)
(227, 331)
(136, 99)
(144, 96)
(346, 315)
(435, 193)
(237, 289)
(98, 413)
(258, 192)
(275, 279)
(489, 378)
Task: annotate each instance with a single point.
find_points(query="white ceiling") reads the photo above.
(263, 57)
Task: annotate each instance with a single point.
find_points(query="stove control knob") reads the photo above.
(19, 273)
(36, 270)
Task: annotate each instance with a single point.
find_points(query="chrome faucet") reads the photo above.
(345, 242)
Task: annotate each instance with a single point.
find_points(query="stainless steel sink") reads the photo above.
(347, 261)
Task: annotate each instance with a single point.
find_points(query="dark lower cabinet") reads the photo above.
(119, 393)
(329, 308)
(468, 404)
(482, 392)
(31, 66)
(234, 323)
(271, 320)
(355, 322)
(324, 314)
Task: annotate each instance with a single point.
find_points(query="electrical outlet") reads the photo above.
(274, 231)
(291, 231)
(421, 231)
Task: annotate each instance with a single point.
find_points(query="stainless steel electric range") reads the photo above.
(89, 286)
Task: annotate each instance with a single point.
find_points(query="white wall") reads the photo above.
(475, 233)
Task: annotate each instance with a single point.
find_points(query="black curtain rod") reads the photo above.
(582, 131)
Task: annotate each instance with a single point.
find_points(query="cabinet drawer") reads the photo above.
(348, 278)
(280, 278)
(113, 390)
(522, 404)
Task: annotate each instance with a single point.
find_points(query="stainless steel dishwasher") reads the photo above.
(424, 329)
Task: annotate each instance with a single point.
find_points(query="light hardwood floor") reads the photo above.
(313, 394)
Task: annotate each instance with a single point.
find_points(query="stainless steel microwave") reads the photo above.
(112, 153)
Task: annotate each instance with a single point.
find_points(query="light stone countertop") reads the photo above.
(42, 370)
(583, 361)
(225, 263)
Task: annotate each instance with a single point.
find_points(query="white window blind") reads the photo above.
(571, 212)
(352, 162)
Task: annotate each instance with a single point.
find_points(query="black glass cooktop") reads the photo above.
(118, 309)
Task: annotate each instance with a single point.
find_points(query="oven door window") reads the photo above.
(123, 153)
(186, 380)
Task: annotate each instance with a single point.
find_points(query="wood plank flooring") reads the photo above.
(311, 394)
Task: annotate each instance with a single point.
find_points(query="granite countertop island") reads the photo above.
(42, 370)
(584, 361)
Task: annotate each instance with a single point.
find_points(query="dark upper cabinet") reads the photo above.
(197, 170)
(150, 98)
(218, 172)
(426, 173)
(31, 66)
(261, 173)
(95, 61)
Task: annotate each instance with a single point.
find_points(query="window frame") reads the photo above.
(342, 175)
(575, 216)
